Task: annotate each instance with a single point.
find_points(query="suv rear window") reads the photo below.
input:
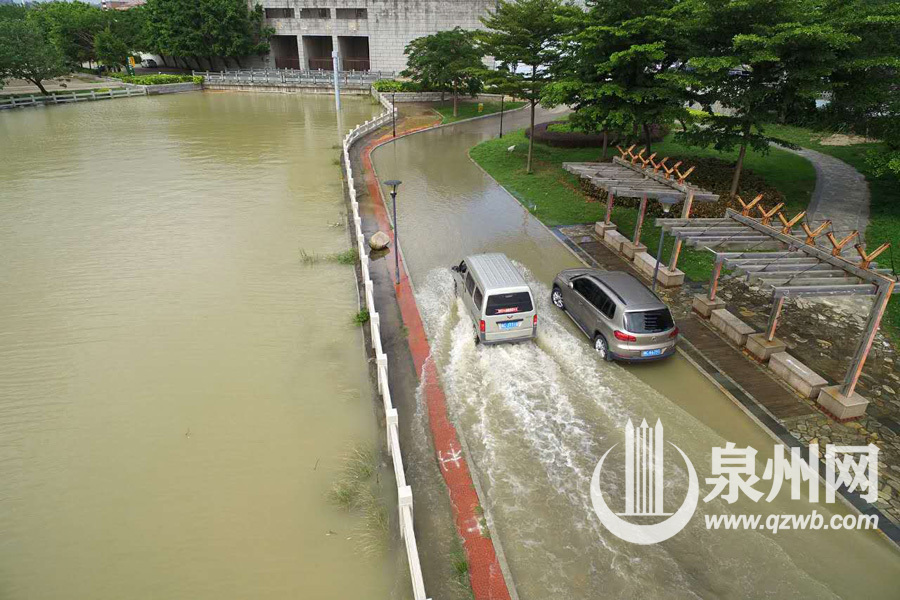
(503, 304)
(649, 321)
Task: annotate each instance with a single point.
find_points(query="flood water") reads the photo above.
(538, 417)
(177, 389)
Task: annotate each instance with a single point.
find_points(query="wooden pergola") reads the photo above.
(788, 262)
(632, 175)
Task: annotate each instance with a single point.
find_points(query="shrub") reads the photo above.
(392, 85)
(160, 79)
(562, 134)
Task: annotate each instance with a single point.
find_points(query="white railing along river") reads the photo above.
(404, 491)
(313, 77)
(75, 96)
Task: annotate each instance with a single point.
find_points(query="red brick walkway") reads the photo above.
(485, 574)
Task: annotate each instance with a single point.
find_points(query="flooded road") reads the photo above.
(177, 388)
(538, 417)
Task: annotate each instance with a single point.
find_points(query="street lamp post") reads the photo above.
(501, 115)
(394, 183)
(667, 203)
(393, 118)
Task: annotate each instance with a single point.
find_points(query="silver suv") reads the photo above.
(623, 318)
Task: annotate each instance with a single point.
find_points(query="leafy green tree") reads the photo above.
(12, 12)
(71, 27)
(866, 76)
(109, 48)
(205, 28)
(25, 53)
(524, 37)
(745, 56)
(447, 60)
(614, 67)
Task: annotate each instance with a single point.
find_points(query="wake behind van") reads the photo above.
(497, 298)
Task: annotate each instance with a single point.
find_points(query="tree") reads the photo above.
(109, 48)
(446, 60)
(205, 28)
(614, 67)
(523, 36)
(71, 27)
(26, 54)
(866, 76)
(748, 55)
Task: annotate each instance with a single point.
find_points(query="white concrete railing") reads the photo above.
(84, 96)
(404, 492)
(292, 76)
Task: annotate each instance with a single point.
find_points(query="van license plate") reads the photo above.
(510, 324)
(656, 352)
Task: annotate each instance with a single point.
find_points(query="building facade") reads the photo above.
(369, 35)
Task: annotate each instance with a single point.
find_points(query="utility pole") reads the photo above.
(336, 65)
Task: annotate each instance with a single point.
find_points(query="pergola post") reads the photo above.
(685, 214)
(714, 279)
(610, 198)
(862, 351)
(773, 318)
(642, 209)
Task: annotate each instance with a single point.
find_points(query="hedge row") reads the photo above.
(160, 79)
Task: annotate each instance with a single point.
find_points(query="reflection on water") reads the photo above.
(538, 416)
(176, 388)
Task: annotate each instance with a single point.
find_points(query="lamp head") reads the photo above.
(668, 202)
(393, 183)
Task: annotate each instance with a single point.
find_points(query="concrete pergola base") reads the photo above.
(666, 277)
(601, 228)
(761, 348)
(841, 407)
(629, 249)
(703, 306)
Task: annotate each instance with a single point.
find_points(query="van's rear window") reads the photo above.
(503, 304)
(649, 321)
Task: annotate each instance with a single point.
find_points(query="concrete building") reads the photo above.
(370, 35)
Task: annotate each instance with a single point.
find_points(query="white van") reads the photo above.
(497, 298)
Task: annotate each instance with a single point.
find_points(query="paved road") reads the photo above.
(841, 194)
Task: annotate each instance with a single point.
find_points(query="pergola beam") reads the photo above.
(841, 263)
(794, 291)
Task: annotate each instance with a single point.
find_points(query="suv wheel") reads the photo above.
(602, 347)
(556, 297)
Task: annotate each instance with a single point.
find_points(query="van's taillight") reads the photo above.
(534, 322)
(481, 325)
(674, 333)
(624, 336)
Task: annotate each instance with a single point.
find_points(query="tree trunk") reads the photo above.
(647, 137)
(455, 102)
(530, 139)
(605, 143)
(40, 85)
(237, 59)
(740, 161)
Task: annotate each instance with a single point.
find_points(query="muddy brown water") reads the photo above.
(176, 388)
(538, 416)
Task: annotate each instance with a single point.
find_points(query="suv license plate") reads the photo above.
(509, 324)
(656, 352)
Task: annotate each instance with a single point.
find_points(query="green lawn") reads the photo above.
(556, 197)
(468, 109)
(884, 216)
